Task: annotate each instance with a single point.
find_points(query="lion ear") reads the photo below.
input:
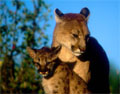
(31, 52)
(58, 15)
(85, 12)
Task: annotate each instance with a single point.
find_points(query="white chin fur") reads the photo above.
(44, 75)
(78, 52)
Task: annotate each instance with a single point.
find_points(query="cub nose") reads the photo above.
(43, 69)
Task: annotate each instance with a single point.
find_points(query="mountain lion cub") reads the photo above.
(58, 78)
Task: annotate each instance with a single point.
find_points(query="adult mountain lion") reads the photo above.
(71, 31)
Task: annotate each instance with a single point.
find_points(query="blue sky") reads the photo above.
(104, 22)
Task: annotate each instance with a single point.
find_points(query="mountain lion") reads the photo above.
(58, 78)
(71, 31)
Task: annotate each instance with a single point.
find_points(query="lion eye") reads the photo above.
(75, 35)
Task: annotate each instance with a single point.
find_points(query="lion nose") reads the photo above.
(82, 48)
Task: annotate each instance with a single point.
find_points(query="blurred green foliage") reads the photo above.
(114, 79)
(21, 26)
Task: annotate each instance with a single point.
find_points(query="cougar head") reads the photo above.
(71, 30)
(44, 58)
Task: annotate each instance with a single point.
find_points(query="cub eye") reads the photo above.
(75, 35)
(37, 65)
(50, 65)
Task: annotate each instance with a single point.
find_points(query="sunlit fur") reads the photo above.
(71, 31)
(59, 78)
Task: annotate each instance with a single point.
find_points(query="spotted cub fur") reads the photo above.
(58, 78)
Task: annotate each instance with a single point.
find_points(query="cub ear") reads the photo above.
(31, 52)
(58, 15)
(85, 12)
(55, 52)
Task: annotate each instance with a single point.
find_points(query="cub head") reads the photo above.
(44, 59)
(71, 30)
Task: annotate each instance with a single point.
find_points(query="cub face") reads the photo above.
(71, 30)
(44, 59)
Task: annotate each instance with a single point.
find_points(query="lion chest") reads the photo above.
(82, 69)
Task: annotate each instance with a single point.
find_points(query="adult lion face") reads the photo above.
(71, 30)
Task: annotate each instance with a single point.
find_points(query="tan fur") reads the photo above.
(81, 68)
(70, 32)
(63, 80)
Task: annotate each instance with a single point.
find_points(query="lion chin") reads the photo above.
(78, 52)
